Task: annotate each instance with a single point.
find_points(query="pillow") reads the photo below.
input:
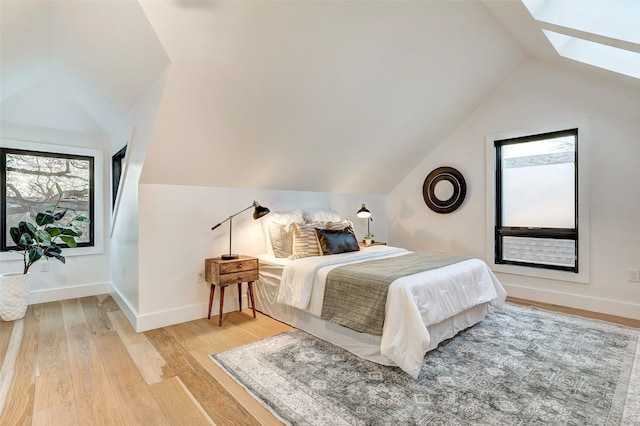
(281, 237)
(338, 225)
(334, 241)
(282, 218)
(321, 216)
(305, 241)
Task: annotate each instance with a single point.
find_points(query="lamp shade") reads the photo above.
(259, 210)
(363, 212)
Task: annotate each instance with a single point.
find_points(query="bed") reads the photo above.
(421, 309)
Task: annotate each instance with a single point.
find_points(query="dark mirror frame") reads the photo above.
(456, 179)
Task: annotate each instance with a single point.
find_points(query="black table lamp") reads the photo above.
(258, 212)
(364, 213)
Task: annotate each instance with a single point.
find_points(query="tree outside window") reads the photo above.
(29, 181)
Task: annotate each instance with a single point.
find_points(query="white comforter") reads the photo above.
(413, 301)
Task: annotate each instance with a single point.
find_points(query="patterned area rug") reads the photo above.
(520, 366)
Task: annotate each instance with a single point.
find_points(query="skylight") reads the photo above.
(600, 55)
(614, 19)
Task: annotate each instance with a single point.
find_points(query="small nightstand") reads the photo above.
(374, 243)
(222, 273)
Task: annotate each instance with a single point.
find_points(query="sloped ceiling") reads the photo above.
(317, 96)
(335, 96)
(528, 32)
(75, 65)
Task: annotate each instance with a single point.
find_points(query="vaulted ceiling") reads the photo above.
(316, 95)
(75, 65)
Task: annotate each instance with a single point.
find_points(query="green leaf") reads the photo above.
(82, 219)
(27, 228)
(54, 248)
(53, 231)
(35, 253)
(25, 240)
(70, 232)
(43, 236)
(60, 215)
(44, 219)
(57, 256)
(15, 235)
(70, 241)
(47, 244)
(60, 191)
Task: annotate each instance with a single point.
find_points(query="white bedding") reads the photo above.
(413, 301)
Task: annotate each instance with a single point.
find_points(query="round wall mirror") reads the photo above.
(444, 190)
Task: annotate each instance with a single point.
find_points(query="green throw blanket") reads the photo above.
(355, 295)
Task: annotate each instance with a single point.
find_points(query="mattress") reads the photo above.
(364, 345)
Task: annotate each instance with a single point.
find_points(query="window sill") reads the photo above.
(68, 252)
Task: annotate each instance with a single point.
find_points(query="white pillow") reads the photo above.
(282, 218)
(321, 216)
(281, 237)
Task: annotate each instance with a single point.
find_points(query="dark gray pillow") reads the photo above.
(334, 241)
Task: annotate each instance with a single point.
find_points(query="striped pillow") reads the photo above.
(305, 241)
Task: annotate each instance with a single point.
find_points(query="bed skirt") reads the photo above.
(361, 344)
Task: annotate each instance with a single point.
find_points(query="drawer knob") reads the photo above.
(239, 266)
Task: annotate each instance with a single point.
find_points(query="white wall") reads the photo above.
(537, 95)
(135, 132)
(175, 238)
(83, 274)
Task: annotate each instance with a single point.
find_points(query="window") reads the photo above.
(599, 33)
(536, 196)
(117, 166)
(29, 182)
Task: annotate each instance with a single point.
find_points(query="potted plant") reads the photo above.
(35, 239)
(368, 238)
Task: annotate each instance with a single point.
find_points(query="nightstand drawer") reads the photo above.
(238, 277)
(238, 266)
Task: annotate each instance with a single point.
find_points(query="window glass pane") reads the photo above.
(544, 251)
(31, 182)
(538, 183)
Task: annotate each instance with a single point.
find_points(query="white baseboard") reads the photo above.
(125, 307)
(64, 293)
(593, 304)
(183, 314)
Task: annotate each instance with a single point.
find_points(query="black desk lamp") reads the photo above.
(257, 214)
(364, 213)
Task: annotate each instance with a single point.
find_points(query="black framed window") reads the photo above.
(28, 181)
(537, 201)
(117, 166)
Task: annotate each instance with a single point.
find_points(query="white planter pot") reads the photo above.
(14, 295)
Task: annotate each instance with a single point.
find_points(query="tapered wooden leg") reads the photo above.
(253, 305)
(240, 297)
(213, 290)
(221, 305)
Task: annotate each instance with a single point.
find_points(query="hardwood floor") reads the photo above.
(79, 362)
(578, 312)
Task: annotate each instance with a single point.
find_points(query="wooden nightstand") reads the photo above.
(222, 273)
(374, 243)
